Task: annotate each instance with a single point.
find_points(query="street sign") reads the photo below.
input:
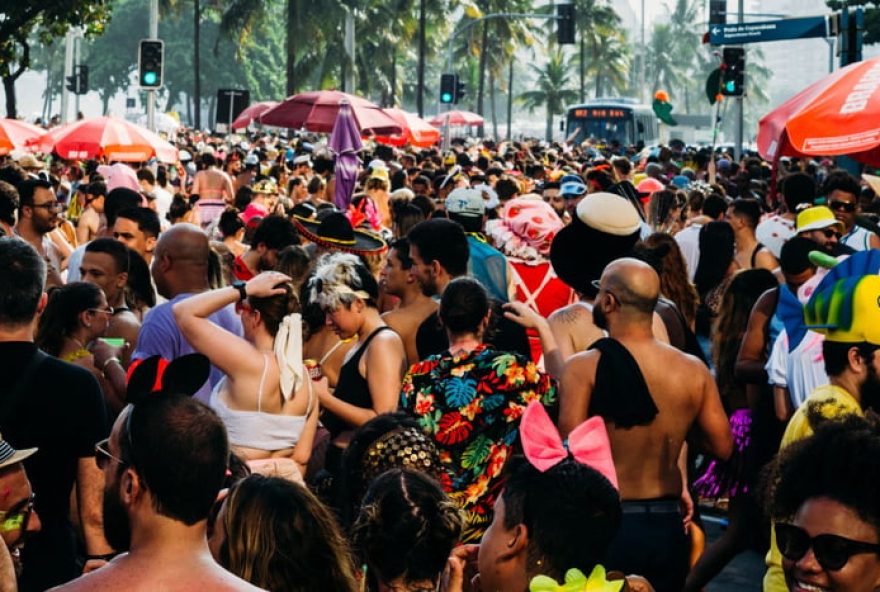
(794, 28)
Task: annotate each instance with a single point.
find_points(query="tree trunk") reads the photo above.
(420, 91)
(583, 67)
(548, 131)
(187, 101)
(481, 75)
(105, 103)
(598, 85)
(291, 46)
(492, 105)
(510, 99)
(212, 111)
(197, 83)
(392, 95)
(47, 97)
(9, 89)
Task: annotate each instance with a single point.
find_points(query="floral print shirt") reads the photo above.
(471, 405)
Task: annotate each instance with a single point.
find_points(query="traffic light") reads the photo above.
(448, 88)
(78, 84)
(733, 71)
(150, 66)
(564, 23)
(459, 90)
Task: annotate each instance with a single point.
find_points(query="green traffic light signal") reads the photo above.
(731, 86)
(446, 98)
(150, 78)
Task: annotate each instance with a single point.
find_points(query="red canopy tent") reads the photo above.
(416, 131)
(837, 115)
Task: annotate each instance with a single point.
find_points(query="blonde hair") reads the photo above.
(340, 279)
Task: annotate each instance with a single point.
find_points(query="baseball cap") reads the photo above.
(251, 159)
(572, 189)
(817, 218)
(466, 201)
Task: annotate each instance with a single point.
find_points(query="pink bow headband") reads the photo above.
(588, 443)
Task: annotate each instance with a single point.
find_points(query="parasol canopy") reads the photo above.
(316, 111)
(15, 134)
(113, 138)
(252, 113)
(416, 131)
(837, 115)
(456, 118)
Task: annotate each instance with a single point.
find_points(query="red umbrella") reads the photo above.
(252, 113)
(15, 134)
(416, 131)
(113, 138)
(316, 111)
(456, 118)
(835, 116)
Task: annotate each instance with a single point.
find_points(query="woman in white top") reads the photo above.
(266, 398)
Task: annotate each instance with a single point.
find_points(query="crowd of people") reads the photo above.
(501, 367)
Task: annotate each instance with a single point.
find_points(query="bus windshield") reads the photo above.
(602, 129)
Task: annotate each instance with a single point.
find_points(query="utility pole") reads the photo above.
(77, 60)
(68, 71)
(151, 94)
(737, 149)
(420, 93)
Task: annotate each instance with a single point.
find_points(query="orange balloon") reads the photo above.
(662, 95)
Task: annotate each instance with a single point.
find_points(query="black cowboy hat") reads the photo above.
(335, 232)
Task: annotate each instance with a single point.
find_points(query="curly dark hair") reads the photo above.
(568, 502)
(406, 528)
(841, 461)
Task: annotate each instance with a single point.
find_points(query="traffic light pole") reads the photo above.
(68, 71)
(737, 149)
(456, 33)
(151, 94)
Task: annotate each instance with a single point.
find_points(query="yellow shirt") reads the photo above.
(827, 402)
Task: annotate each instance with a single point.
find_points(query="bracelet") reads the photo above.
(113, 359)
(104, 557)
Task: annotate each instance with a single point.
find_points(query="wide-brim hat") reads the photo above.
(605, 228)
(335, 232)
(10, 456)
(817, 218)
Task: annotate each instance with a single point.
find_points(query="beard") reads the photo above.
(869, 391)
(117, 527)
(599, 318)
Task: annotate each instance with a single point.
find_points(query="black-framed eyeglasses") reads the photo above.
(842, 206)
(17, 518)
(109, 310)
(103, 456)
(831, 551)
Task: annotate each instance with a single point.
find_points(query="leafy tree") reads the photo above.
(597, 24)
(551, 89)
(48, 19)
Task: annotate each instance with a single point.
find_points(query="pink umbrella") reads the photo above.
(316, 111)
(456, 118)
(252, 113)
(416, 131)
(14, 134)
(113, 138)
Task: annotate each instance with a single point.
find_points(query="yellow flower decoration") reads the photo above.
(576, 581)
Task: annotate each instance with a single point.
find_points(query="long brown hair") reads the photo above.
(674, 282)
(279, 537)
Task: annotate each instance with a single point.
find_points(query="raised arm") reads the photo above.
(575, 390)
(227, 351)
(523, 315)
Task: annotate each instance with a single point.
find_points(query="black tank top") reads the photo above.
(351, 388)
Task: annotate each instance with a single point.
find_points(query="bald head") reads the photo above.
(185, 244)
(634, 283)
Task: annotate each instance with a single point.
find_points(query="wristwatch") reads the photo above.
(240, 286)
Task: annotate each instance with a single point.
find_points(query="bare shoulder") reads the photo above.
(677, 361)
(573, 313)
(583, 362)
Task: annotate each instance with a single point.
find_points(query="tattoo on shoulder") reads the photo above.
(569, 314)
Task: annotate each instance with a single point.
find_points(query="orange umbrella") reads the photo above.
(416, 131)
(835, 116)
(456, 118)
(14, 134)
(252, 113)
(113, 138)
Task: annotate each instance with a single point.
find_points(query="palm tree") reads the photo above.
(662, 65)
(610, 63)
(596, 22)
(551, 89)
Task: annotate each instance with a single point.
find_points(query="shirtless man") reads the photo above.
(743, 215)
(90, 221)
(667, 393)
(214, 188)
(415, 307)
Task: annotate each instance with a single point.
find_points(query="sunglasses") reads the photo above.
(103, 457)
(842, 206)
(828, 232)
(17, 518)
(831, 551)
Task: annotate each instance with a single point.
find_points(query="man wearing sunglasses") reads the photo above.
(841, 191)
(848, 314)
(17, 516)
(820, 225)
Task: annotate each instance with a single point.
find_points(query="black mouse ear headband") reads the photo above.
(154, 375)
